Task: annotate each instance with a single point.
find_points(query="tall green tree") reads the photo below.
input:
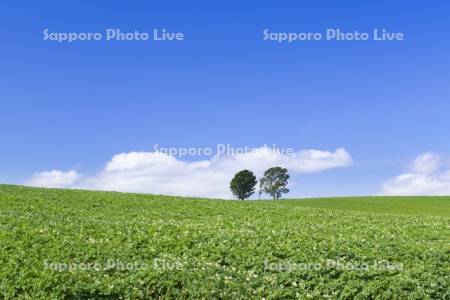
(243, 184)
(274, 182)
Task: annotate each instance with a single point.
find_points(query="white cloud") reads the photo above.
(426, 163)
(159, 173)
(425, 178)
(54, 179)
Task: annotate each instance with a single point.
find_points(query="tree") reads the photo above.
(243, 184)
(274, 182)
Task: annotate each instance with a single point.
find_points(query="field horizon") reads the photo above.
(372, 203)
(91, 245)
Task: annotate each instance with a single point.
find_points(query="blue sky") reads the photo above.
(73, 106)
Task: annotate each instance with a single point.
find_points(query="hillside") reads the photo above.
(431, 206)
(81, 244)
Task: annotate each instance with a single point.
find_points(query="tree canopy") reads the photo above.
(243, 184)
(274, 182)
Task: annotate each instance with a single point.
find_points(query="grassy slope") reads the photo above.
(222, 247)
(433, 206)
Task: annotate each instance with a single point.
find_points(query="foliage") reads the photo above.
(274, 182)
(243, 184)
(198, 248)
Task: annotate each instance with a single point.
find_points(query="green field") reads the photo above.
(432, 206)
(68, 244)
